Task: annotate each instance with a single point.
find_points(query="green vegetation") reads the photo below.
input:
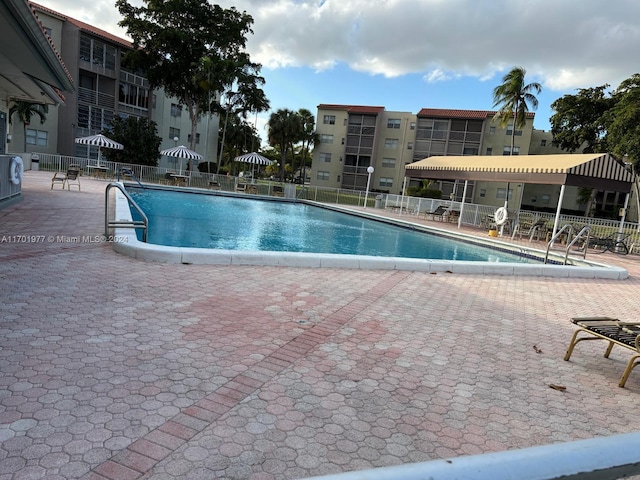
(140, 139)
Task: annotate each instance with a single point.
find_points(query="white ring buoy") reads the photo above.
(16, 169)
(501, 216)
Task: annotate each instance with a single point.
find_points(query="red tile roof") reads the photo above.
(467, 114)
(352, 108)
(85, 26)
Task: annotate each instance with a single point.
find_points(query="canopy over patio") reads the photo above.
(591, 170)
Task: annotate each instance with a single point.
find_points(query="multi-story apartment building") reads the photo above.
(106, 89)
(352, 138)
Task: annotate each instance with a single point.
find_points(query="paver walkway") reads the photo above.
(116, 368)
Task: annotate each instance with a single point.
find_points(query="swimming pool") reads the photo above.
(128, 244)
(181, 219)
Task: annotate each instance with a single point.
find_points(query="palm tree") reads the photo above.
(514, 97)
(308, 137)
(284, 130)
(25, 111)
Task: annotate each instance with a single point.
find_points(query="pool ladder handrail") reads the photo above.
(136, 224)
(581, 234)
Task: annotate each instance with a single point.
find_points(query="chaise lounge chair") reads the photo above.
(437, 214)
(530, 230)
(616, 243)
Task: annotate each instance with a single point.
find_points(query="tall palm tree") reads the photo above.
(308, 137)
(514, 97)
(25, 111)
(284, 130)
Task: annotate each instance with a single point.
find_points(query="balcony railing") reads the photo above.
(96, 98)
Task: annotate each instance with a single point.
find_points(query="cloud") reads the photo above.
(564, 44)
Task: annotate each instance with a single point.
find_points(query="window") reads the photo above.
(510, 131)
(325, 157)
(324, 138)
(197, 138)
(174, 132)
(412, 126)
(546, 199)
(329, 120)
(390, 143)
(176, 110)
(37, 137)
(483, 192)
(322, 175)
(389, 162)
(507, 150)
(489, 150)
(386, 182)
(543, 143)
(410, 146)
(393, 123)
(492, 130)
(501, 191)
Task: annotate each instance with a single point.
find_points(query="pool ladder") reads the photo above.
(584, 233)
(136, 224)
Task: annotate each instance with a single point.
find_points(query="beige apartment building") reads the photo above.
(354, 137)
(104, 89)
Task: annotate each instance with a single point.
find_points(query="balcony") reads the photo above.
(96, 98)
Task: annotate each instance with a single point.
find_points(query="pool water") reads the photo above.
(184, 219)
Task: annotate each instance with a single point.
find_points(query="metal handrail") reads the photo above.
(569, 227)
(143, 224)
(586, 229)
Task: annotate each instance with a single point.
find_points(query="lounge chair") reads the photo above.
(214, 185)
(277, 191)
(71, 177)
(616, 243)
(437, 214)
(241, 187)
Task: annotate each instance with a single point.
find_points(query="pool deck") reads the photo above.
(117, 368)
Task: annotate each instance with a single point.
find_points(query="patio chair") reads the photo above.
(530, 229)
(214, 185)
(277, 191)
(71, 177)
(437, 214)
(241, 188)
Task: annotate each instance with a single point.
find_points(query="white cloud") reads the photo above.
(565, 44)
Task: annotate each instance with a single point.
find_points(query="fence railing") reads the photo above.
(473, 215)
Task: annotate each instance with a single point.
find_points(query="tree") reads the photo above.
(192, 49)
(26, 111)
(284, 130)
(308, 137)
(578, 122)
(623, 121)
(514, 97)
(140, 139)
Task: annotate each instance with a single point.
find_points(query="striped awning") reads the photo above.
(100, 140)
(593, 170)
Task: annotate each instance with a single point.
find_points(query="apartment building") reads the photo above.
(104, 89)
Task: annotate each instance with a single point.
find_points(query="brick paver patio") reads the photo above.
(115, 368)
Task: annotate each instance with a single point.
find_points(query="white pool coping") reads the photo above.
(126, 243)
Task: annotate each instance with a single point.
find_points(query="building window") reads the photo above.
(37, 137)
(176, 110)
(325, 157)
(483, 192)
(412, 126)
(386, 182)
(510, 130)
(197, 138)
(389, 162)
(492, 130)
(501, 191)
(543, 143)
(489, 150)
(390, 143)
(393, 123)
(410, 146)
(322, 175)
(329, 120)
(507, 150)
(546, 199)
(174, 132)
(324, 138)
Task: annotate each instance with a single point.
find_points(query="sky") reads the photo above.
(406, 55)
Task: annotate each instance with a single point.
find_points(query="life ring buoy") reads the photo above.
(501, 216)
(16, 169)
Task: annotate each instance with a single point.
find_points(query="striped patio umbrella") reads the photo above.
(181, 152)
(100, 141)
(254, 159)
